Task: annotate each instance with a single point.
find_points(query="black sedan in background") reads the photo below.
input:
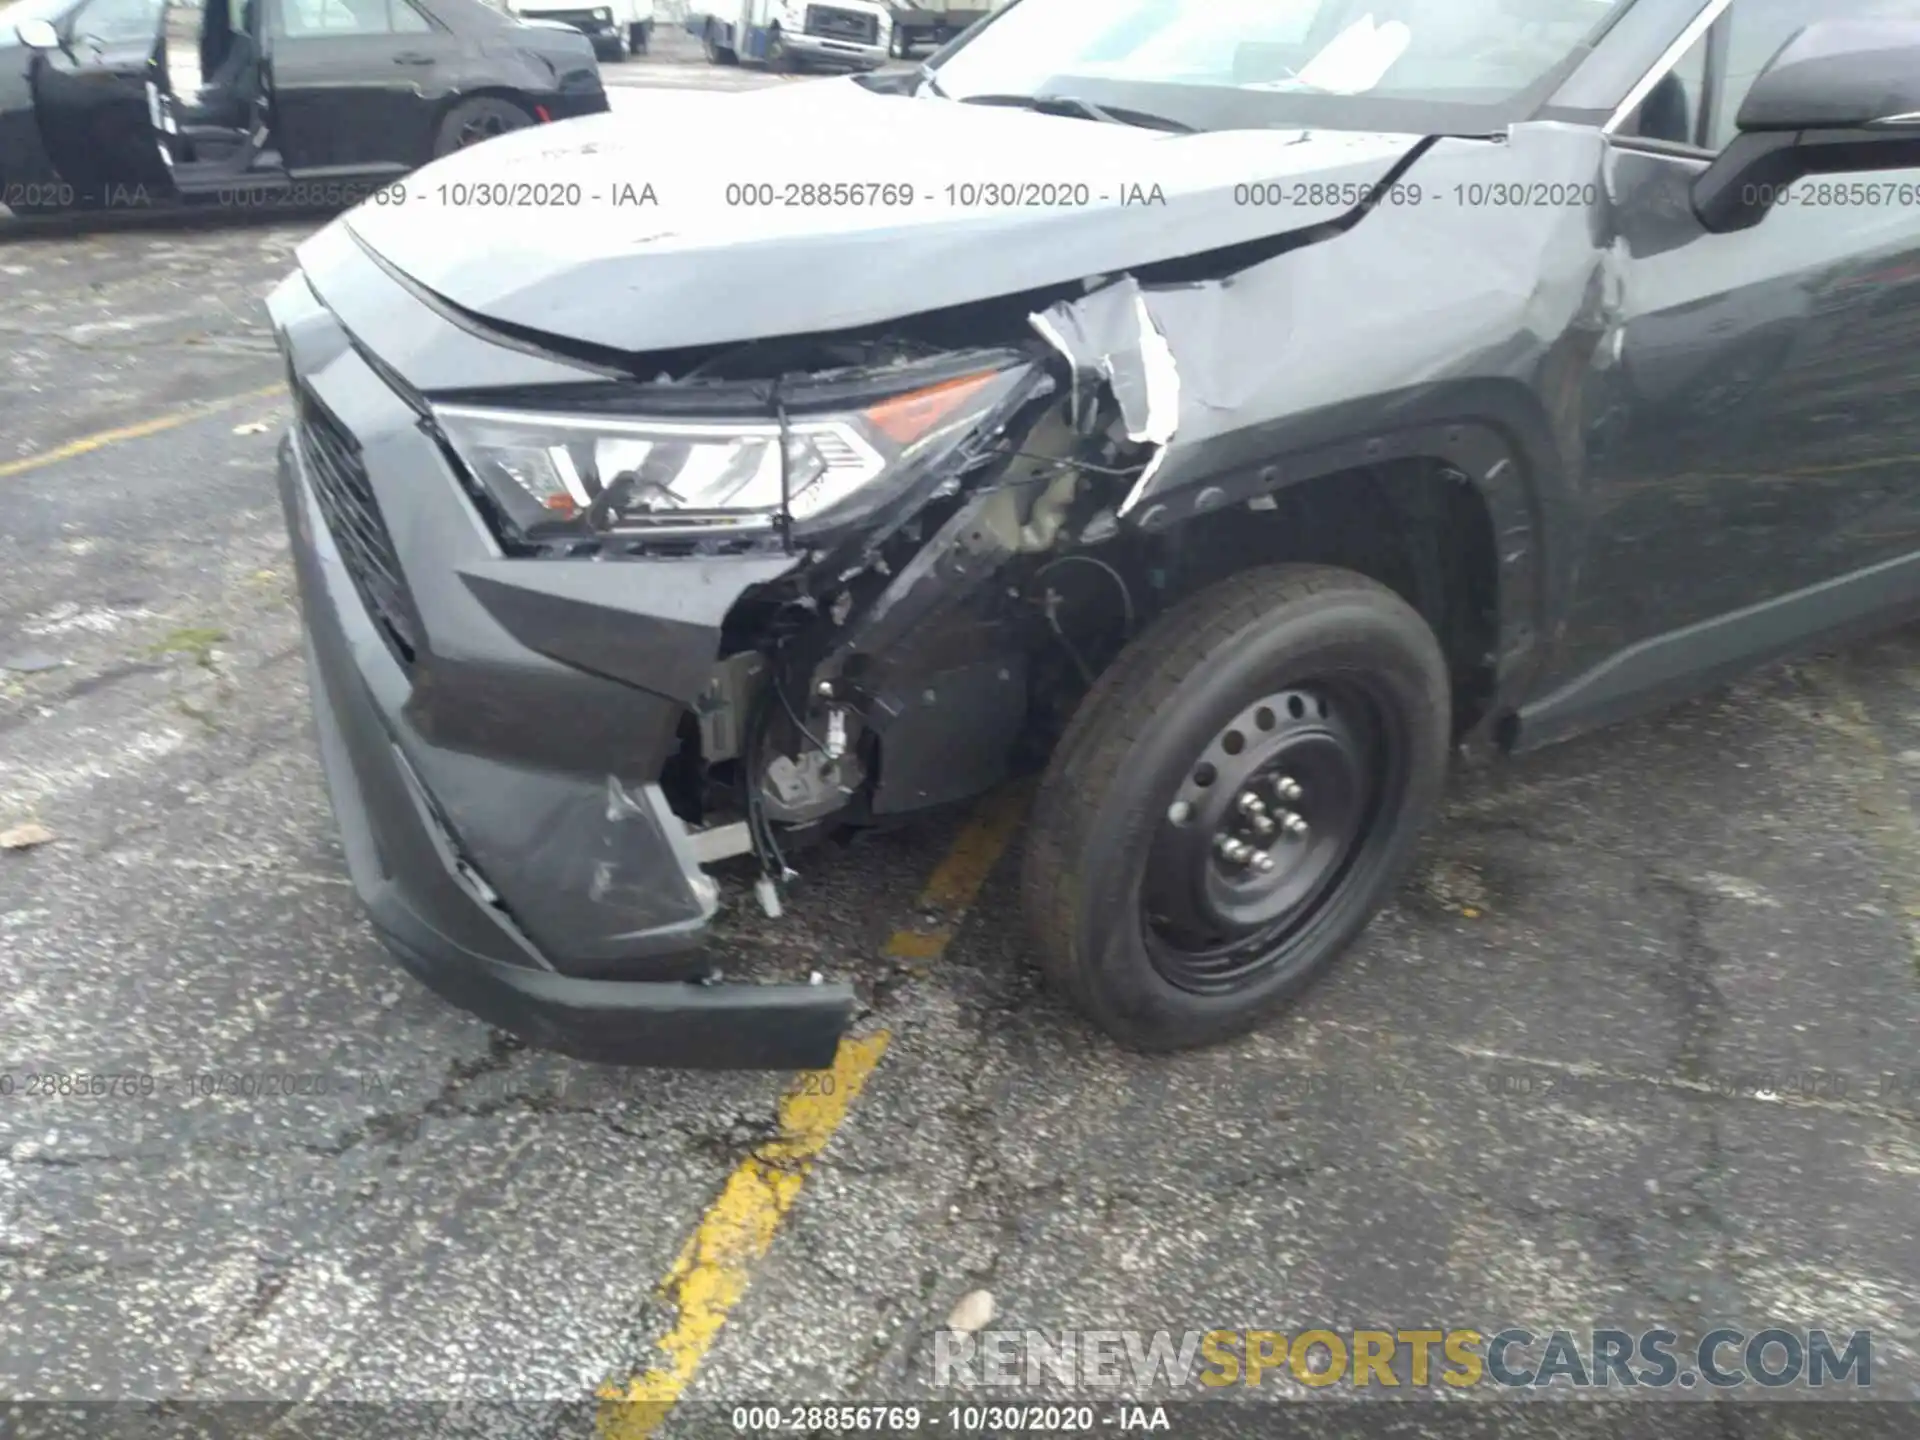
(124, 104)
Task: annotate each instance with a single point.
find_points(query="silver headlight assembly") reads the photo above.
(561, 474)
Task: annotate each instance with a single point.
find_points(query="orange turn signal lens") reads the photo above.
(909, 417)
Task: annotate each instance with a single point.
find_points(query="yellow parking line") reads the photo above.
(976, 850)
(86, 444)
(711, 1273)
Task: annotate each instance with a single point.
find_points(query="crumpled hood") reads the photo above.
(651, 252)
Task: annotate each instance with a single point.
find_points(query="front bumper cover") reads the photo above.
(497, 805)
(827, 47)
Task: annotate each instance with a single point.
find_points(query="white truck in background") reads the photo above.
(617, 28)
(793, 34)
(935, 22)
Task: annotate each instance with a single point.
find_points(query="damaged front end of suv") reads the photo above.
(779, 588)
(931, 494)
(949, 511)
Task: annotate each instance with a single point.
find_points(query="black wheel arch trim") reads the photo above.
(1492, 431)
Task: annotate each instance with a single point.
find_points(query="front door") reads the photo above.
(1758, 433)
(357, 84)
(90, 100)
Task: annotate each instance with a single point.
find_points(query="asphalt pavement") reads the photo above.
(1634, 1048)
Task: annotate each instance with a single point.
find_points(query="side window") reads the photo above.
(339, 19)
(1675, 109)
(118, 22)
(1685, 109)
(1757, 30)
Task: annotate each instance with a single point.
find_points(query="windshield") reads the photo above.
(1432, 65)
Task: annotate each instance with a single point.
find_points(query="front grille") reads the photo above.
(837, 24)
(353, 516)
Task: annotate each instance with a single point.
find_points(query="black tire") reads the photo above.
(614, 50)
(639, 37)
(481, 118)
(779, 58)
(1136, 744)
(717, 54)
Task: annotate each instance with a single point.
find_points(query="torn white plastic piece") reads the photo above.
(836, 731)
(1111, 336)
(1163, 401)
(1163, 380)
(720, 842)
(768, 894)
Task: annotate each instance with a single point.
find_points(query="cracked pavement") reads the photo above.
(1634, 1047)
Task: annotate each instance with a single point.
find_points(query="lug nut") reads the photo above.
(1263, 824)
(1293, 824)
(1287, 788)
(1252, 803)
(1262, 861)
(1179, 812)
(1231, 849)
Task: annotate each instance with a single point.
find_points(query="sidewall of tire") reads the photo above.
(446, 140)
(1327, 637)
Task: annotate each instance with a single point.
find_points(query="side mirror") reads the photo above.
(1841, 97)
(38, 34)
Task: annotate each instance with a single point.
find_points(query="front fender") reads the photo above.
(1424, 326)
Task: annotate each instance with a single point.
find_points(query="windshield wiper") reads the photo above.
(930, 82)
(1073, 105)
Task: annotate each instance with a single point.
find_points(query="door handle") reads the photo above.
(412, 57)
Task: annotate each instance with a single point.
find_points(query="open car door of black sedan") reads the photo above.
(127, 104)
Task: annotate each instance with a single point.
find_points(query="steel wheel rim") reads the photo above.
(1294, 779)
(484, 127)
